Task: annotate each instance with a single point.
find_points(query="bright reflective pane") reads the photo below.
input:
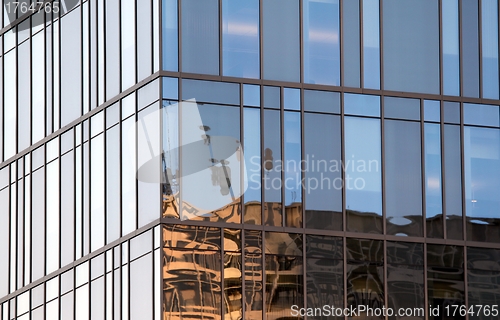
(361, 104)
(97, 193)
(433, 197)
(362, 175)
(52, 218)
(170, 41)
(251, 95)
(481, 114)
(371, 44)
(321, 42)
(141, 288)
(432, 110)
(240, 38)
(293, 170)
(489, 50)
(470, 45)
(451, 48)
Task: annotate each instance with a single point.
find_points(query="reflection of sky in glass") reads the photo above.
(363, 164)
(251, 145)
(433, 170)
(482, 172)
(292, 158)
(489, 30)
(371, 44)
(240, 38)
(272, 155)
(451, 63)
(321, 42)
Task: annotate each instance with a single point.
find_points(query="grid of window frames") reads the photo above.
(425, 152)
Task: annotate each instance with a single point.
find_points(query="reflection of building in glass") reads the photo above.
(220, 159)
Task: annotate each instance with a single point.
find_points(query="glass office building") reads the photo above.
(224, 159)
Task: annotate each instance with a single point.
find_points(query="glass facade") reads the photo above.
(258, 159)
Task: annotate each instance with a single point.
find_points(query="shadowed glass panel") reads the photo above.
(403, 178)
(322, 176)
(281, 40)
(411, 45)
(433, 195)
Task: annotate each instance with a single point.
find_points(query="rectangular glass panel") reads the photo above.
(38, 222)
(451, 48)
(10, 103)
(200, 36)
(293, 171)
(482, 183)
(71, 68)
(272, 168)
(401, 108)
(4, 241)
(52, 219)
(251, 95)
(128, 176)
(113, 184)
(113, 48)
(211, 91)
(481, 115)
(433, 192)
(321, 42)
(170, 37)
(432, 110)
(251, 145)
(323, 177)
(352, 47)
(371, 44)
(403, 178)
(322, 101)
(405, 290)
(144, 39)
(240, 38)
(361, 104)
(291, 99)
(97, 188)
(272, 97)
(67, 208)
(141, 288)
(170, 159)
(362, 175)
(128, 46)
(411, 63)
(23, 96)
(453, 182)
(470, 48)
(281, 40)
(489, 43)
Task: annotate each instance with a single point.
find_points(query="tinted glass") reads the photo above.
(362, 175)
(482, 183)
(481, 114)
(322, 101)
(351, 45)
(281, 40)
(411, 63)
(292, 168)
(210, 91)
(453, 182)
(272, 168)
(170, 41)
(321, 42)
(240, 38)
(253, 165)
(470, 45)
(200, 36)
(323, 180)
(403, 178)
(489, 49)
(433, 198)
(362, 105)
(371, 44)
(401, 108)
(451, 48)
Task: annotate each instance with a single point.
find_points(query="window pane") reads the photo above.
(67, 209)
(38, 230)
(351, 36)
(482, 183)
(453, 182)
(361, 104)
(144, 39)
(323, 180)
(322, 101)
(4, 240)
(113, 48)
(293, 170)
(371, 44)
(281, 40)
(481, 114)
(113, 184)
(489, 42)
(10, 94)
(411, 63)
(470, 48)
(71, 69)
(253, 166)
(240, 38)
(401, 108)
(128, 176)
(451, 48)
(24, 96)
(272, 168)
(170, 38)
(433, 198)
(170, 160)
(128, 43)
(362, 180)
(321, 42)
(451, 112)
(403, 178)
(211, 91)
(200, 36)
(141, 288)
(97, 192)
(52, 221)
